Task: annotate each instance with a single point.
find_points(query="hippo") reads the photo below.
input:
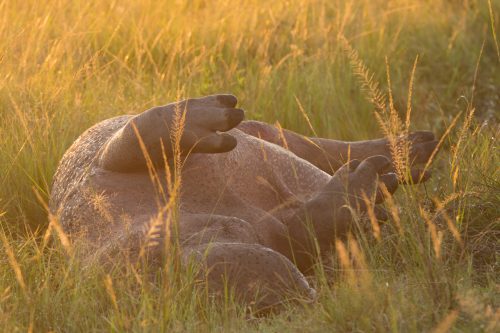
(255, 205)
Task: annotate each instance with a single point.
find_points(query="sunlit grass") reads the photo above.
(65, 65)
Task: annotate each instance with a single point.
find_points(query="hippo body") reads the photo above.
(249, 182)
(245, 199)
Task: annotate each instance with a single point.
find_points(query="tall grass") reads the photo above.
(65, 65)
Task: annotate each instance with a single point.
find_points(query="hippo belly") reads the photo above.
(256, 176)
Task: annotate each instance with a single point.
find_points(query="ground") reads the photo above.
(306, 64)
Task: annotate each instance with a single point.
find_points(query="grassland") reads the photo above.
(65, 65)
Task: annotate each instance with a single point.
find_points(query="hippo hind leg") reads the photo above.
(257, 275)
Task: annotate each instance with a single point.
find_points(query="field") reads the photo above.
(65, 65)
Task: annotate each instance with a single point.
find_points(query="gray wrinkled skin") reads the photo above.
(247, 207)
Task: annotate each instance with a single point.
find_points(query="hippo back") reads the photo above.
(76, 164)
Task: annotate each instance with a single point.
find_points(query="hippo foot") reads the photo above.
(194, 125)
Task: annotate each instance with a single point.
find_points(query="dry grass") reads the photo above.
(340, 69)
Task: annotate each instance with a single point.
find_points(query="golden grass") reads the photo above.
(313, 66)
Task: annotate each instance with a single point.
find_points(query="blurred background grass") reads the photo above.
(65, 65)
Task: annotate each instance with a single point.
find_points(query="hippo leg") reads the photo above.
(327, 215)
(329, 155)
(229, 255)
(190, 126)
(258, 276)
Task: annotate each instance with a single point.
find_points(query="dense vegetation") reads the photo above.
(65, 65)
